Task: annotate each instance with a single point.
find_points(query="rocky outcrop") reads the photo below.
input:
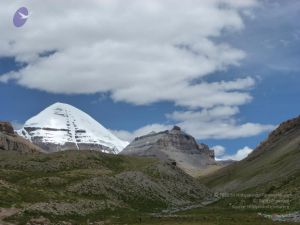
(174, 145)
(9, 141)
(207, 150)
(282, 131)
(6, 127)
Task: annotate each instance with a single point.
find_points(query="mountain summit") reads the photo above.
(62, 127)
(174, 145)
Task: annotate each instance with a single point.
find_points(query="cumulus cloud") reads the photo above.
(239, 155)
(217, 123)
(129, 136)
(219, 150)
(201, 130)
(139, 52)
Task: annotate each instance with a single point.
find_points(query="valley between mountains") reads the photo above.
(63, 167)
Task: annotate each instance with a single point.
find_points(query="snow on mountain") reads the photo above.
(62, 126)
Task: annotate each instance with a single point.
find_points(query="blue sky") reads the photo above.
(262, 60)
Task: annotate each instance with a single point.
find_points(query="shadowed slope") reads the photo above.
(273, 165)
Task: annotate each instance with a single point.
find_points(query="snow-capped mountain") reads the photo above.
(62, 126)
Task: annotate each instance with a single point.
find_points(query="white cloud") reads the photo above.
(207, 115)
(239, 155)
(17, 125)
(224, 130)
(216, 123)
(219, 150)
(140, 52)
(129, 136)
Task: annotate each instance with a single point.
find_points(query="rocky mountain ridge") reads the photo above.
(9, 141)
(174, 145)
(284, 129)
(273, 167)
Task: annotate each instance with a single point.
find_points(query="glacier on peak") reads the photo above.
(62, 126)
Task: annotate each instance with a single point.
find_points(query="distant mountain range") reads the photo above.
(150, 175)
(62, 127)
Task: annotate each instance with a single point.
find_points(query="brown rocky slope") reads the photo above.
(173, 145)
(273, 167)
(9, 141)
